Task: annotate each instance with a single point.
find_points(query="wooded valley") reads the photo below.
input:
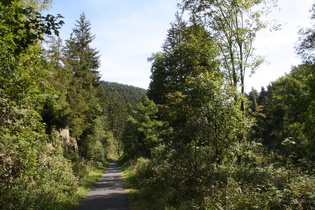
(194, 140)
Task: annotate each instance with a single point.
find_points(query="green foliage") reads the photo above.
(57, 111)
(117, 100)
(89, 173)
(305, 47)
(262, 188)
(41, 92)
(143, 131)
(115, 109)
(22, 26)
(82, 63)
(191, 145)
(233, 24)
(33, 172)
(202, 127)
(38, 4)
(233, 187)
(287, 116)
(209, 155)
(95, 151)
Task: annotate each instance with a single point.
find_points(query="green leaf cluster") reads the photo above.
(288, 115)
(33, 171)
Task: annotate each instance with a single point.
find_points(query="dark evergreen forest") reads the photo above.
(130, 94)
(194, 140)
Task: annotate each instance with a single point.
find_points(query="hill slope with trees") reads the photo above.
(131, 95)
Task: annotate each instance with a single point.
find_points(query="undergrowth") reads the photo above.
(88, 173)
(150, 186)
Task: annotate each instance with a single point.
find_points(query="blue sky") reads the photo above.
(129, 31)
(278, 47)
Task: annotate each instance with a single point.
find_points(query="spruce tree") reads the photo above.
(56, 111)
(83, 62)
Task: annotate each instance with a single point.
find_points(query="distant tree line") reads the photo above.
(130, 94)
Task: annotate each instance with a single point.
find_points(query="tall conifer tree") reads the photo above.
(83, 62)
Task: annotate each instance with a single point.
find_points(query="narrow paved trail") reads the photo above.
(108, 192)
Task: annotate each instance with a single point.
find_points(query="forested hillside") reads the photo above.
(132, 95)
(194, 140)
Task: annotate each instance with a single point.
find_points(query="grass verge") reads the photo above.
(138, 199)
(147, 197)
(134, 198)
(86, 183)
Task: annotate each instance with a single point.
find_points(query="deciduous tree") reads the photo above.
(234, 25)
(33, 171)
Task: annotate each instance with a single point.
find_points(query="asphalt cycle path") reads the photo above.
(108, 193)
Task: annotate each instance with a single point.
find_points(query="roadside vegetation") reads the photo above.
(88, 174)
(59, 124)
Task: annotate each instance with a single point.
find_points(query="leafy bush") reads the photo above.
(160, 186)
(96, 151)
(264, 188)
(35, 177)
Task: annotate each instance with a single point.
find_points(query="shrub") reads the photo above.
(35, 183)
